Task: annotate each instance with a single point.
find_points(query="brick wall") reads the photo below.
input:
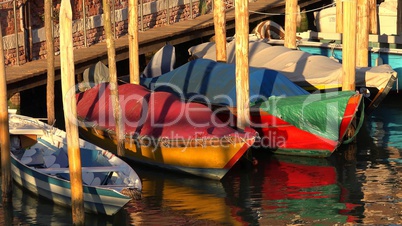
(95, 34)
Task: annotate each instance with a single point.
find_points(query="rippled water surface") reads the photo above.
(359, 184)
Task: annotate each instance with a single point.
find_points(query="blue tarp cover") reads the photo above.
(215, 83)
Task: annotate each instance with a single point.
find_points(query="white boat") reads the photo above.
(325, 19)
(39, 163)
(377, 55)
(311, 72)
(384, 47)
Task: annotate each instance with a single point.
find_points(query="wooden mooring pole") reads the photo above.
(242, 64)
(399, 18)
(133, 41)
(339, 16)
(349, 45)
(220, 30)
(373, 24)
(6, 180)
(50, 62)
(70, 112)
(290, 24)
(111, 53)
(362, 36)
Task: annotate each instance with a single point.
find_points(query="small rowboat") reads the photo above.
(163, 131)
(39, 163)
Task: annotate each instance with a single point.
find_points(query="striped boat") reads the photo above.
(39, 163)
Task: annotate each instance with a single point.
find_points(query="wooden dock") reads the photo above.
(33, 74)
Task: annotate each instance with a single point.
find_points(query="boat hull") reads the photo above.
(287, 139)
(96, 200)
(200, 157)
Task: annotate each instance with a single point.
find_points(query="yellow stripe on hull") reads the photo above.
(199, 157)
(190, 158)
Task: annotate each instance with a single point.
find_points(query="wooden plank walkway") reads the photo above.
(33, 74)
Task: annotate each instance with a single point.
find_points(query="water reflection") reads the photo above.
(29, 209)
(379, 165)
(385, 125)
(279, 190)
(290, 190)
(179, 199)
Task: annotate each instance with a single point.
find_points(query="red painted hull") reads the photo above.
(285, 138)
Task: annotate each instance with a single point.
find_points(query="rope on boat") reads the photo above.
(132, 193)
(359, 126)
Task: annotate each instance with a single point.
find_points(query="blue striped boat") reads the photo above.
(39, 163)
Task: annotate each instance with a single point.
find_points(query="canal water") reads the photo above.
(359, 184)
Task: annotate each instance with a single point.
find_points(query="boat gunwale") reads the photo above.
(237, 137)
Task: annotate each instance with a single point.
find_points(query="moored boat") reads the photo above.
(324, 44)
(161, 130)
(289, 119)
(39, 163)
(311, 72)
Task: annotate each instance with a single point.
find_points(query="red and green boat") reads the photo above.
(289, 120)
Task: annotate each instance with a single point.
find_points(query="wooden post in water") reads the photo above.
(339, 16)
(133, 41)
(242, 64)
(220, 30)
(50, 62)
(290, 23)
(362, 36)
(111, 53)
(6, 181)
(70, 111)
(349, 45)
(373, 24)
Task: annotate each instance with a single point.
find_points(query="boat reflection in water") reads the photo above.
(29, 209)
(279, 190)
(175, 199)
(289, 190)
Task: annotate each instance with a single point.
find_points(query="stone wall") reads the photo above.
(30, 23)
